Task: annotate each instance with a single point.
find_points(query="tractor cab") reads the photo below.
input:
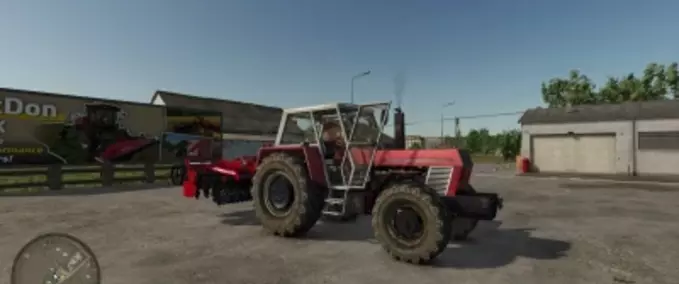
(102, 116)
(347, 136)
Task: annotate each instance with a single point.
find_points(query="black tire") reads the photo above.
(432, 211)
(308, 200)
(462, 227)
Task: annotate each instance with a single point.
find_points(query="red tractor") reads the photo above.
(107, 140)
(329, 160)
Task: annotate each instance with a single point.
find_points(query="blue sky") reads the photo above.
(487, 56)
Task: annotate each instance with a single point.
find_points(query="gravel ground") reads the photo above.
(551, 231)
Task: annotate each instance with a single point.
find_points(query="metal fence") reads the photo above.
(56, 177)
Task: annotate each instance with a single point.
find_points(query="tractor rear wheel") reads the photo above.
(462, 227)
(411, 222)
(286, 202)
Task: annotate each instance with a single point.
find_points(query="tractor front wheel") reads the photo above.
(411, 222)
(285, 200)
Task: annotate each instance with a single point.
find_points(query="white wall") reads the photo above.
(663, 162)
(623, 131)
(628, 157)
(157, 100)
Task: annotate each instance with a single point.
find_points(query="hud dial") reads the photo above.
(55, 258)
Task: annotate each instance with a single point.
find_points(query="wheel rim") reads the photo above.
(405, 223)
(278, 194)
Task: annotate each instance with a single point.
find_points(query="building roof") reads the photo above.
(661, 109)
(13, 91)
(238, 117)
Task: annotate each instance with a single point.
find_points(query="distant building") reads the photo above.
(243, 127)
(432, 142)
(412, 140)
(634, 138)
(423, 141)
(236, 117)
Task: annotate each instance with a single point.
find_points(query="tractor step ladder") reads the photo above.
(359, 177)
(338, 195)
(336, 201)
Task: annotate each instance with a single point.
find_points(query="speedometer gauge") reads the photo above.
(56, 258)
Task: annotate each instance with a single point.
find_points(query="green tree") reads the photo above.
(480, 141)
(473, 141)
(416, 145)
(574, 90)
(510, 144)
(610, 92)
(672, 78)
(656, 82)
(631, 89)
(487, 141)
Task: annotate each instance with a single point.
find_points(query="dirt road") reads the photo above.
(551, 231)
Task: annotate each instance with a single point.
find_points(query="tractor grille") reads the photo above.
(438, 178)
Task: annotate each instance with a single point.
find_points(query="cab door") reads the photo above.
(364, 140)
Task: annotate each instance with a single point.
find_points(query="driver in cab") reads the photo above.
(333, 141)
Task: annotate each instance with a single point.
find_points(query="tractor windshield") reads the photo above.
(365, 123)
(356, 123)
(364, 137)
(347, 136)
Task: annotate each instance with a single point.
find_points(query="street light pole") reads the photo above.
(359, 75)
(443, 107)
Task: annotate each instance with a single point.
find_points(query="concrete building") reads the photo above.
(42, 128)
(636, 138)
(243, 127)
(236, 117)
(432, 142)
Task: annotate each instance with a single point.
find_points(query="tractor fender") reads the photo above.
(310, 154)
(379, 183)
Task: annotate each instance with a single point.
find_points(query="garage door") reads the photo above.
(553, 153)
(574, 154)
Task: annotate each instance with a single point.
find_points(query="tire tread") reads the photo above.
(310, 197)
(426, 198)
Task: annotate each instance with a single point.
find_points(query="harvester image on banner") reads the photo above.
(44, 128)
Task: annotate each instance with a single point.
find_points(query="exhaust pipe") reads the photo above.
(399, 129)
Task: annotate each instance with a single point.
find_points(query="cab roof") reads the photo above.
(341, 106)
